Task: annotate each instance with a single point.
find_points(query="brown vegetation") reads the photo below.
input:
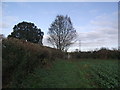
(20, 58)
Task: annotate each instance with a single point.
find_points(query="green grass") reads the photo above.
(75, 74)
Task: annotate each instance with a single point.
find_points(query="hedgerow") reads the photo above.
(20, 58)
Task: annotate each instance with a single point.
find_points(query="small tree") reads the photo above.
(27, 31)
(61, 33)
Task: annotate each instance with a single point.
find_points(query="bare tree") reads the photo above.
(61, 33)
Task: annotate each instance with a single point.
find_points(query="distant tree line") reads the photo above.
(103, 53)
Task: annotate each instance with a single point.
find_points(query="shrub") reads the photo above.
(20, 58)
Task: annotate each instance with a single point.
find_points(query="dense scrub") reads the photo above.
(19, 58)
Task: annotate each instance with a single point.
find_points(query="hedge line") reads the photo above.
(19, 58)
(103, 53)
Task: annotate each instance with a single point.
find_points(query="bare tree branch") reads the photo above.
(61, 32)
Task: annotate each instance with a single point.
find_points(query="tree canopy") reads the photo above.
(61, 32)
(27, 31)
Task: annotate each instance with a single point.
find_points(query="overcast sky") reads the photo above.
(95, 22)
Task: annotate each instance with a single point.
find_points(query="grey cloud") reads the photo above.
(4, 25)
(104, 33)
(8, 21)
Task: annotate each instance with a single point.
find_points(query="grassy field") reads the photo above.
(75, 74)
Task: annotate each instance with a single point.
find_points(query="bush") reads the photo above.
(20, 58)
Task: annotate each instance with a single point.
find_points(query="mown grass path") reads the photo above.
(64, 74)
